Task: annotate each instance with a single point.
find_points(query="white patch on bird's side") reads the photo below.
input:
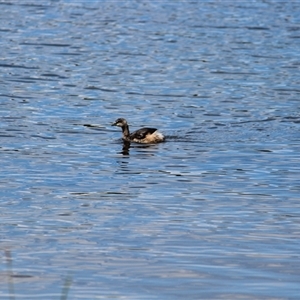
(155, 137)
(159, 136)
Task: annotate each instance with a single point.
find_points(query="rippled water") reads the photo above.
(212, 213)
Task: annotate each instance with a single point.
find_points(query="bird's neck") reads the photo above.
(126, 132)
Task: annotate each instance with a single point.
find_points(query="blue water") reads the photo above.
(212, 213)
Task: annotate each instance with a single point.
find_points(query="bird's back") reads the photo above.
(142, 133)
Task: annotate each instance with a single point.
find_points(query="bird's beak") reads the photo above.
(114, 124)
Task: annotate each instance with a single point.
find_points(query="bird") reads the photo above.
(143, 136)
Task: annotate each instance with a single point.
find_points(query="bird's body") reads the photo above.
(143, 136)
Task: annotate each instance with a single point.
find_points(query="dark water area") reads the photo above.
(213, 212)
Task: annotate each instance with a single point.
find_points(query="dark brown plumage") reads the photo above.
(144, 135)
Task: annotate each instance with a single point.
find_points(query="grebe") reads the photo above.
(143, 135)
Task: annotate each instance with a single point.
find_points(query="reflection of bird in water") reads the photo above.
(143, 135)
(125, 148)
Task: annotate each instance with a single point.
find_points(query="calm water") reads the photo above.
(213, 213)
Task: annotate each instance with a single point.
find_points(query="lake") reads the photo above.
(213, 212)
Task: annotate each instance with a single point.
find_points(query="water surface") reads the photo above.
(212, 213)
